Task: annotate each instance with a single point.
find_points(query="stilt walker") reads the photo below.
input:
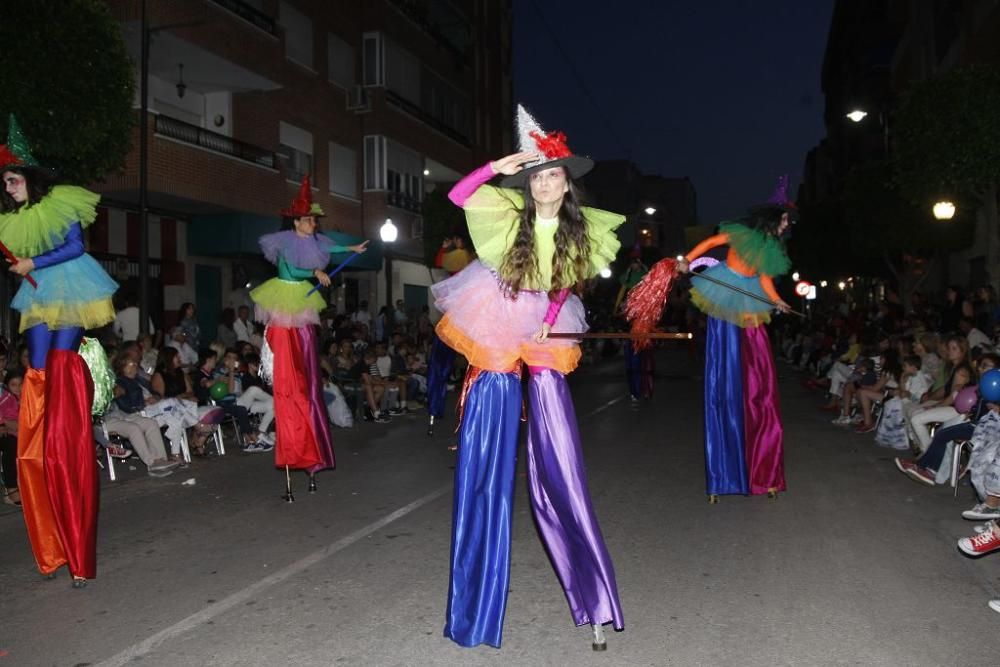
(64, 292)
(744, 452)
(452, 257)
(291, 313)
(638, 362)
(533, 250)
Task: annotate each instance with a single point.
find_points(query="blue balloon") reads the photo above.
(989, 385)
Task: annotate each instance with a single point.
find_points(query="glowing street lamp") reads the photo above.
(606, 272)
(795, 276)
(944, 210)
(822, 283)
(841, 285)
(649, 210)
(388, 232)
(857, 115)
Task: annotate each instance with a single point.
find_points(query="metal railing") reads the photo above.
(417, 111)
(250, 14)
(403, 201)
(213, 141)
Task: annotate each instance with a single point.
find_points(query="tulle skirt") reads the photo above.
(285, 304)
(726, 304)
(75, 293)
(494, 331)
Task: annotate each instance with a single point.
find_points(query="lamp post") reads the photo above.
(944, 210)
(388, 233)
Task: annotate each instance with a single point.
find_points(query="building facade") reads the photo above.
(378, 101)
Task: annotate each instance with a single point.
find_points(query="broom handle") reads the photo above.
(744, 292)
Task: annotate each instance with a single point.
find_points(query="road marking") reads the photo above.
(602, 408)
(194, 620)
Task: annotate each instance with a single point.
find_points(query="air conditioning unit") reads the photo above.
(357, 100)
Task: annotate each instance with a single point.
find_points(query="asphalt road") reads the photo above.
(854, 565)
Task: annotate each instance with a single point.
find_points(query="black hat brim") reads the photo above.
(576, 165)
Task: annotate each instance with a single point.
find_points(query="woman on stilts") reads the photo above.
(744, 449)
(65, 291)
(534, 249)
(291, 313)
(452, 257)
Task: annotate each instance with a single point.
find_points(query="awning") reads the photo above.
(236, 234)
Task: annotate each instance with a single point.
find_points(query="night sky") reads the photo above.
(726, 92)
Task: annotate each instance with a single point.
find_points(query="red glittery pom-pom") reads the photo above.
(645, 302)
(552, 146)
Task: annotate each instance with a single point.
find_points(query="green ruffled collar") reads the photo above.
(38, 228)
(762, 252)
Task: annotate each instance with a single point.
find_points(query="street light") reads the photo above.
(822, 283)
(857, 115)
(944, 210)
(649, 210)
(795, 276)
(841, 285)
(388, 233)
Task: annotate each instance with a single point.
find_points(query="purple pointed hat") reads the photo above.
(780, 200)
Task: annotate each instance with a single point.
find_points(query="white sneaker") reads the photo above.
(842, 420)
(995, 605)
(981, 512)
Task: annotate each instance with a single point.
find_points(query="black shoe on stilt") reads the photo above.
(312, 484)
(79, 582)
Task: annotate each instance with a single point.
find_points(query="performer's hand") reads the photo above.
(23, 267)
(542, 334)
(782, 306)
(321, 276)
(513, 163)
(360, 248)
(683, 266)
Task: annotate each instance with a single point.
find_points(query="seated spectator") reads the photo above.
(937, 407)
(862, 375)
(839, 373)
(888, 380)
(926, 346)
(927, 468)
(179, 341)
(10, 405)
(368, 373)
(205, 377)
(913, 384)
(171, 383)
(389, 375)
(345, 359)
(251, 393)
(124, 418)
(984, 471)
(975, 337)
(148, 356)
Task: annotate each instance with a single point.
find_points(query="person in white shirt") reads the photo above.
(188, 355)
(361, 315)
(243, 326)
(975, 337)
(126, 324)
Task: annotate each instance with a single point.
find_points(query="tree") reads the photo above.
(68, 79)
(887, 228)
(441, 219)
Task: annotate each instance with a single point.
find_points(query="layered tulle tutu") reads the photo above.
(75, 293)
(285, 304)
(493, 331)
(728, 304)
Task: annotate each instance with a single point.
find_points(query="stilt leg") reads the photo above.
(312, 483)
(430, 425)
(289, 497)
(713, 499)
(599, 642)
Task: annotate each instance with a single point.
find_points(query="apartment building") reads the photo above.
(380, 101)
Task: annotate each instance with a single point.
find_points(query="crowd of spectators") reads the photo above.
(910, 378)
(174, 387)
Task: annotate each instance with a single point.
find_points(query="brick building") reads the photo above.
(380, 101)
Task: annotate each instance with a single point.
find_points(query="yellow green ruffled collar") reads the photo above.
(40, 227)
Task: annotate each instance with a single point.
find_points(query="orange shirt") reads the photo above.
(734, 262)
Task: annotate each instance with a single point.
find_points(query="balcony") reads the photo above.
(251, 15)
(418, 112)
(403, 201)
(178, 130)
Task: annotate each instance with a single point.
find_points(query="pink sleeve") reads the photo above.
(465, 187)
(555, 305)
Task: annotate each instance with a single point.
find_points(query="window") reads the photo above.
(343, 170)
(375, 163)
(339, 62)
(296, 145)
(402, 73)
(374, 59)
(298, 35)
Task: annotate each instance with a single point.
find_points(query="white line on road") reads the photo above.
(239, 597)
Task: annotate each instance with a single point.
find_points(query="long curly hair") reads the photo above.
(571, 262)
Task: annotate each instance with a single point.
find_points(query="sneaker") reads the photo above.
(842, 420)
(397, 411)
(119, 452)
(865, 428)
(265, 438)
(922, 475)
(981, 527)
(995, 605)
(265, 445)
(253, 447)
(981, 544)
(857, 419)
(382, 418)
(160, 472)
(981, 512)
(165, 465)
(903, 465)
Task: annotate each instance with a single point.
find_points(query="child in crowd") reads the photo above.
(914, 384)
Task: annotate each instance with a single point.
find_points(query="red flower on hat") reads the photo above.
(552, 146)
(7, 156)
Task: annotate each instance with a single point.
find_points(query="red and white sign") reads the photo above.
(802, 288)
